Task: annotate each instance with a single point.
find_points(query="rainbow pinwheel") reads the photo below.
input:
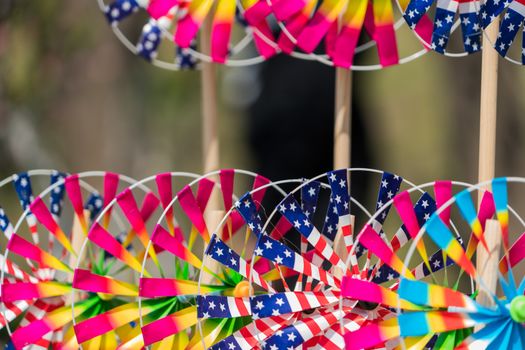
(445, 14)
(112, 283)
(340, 23)
(449, 318)
(512, 16)
(48, 288)
(177, 326)
(303, 306)
(187, 17)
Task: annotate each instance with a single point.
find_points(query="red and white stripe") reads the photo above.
(333, 338)
(250, 336)
(317, 323)
(239, 307)
(399, 240)
(36, 312)
(244, 270)
(325, 249)
(12, 269)
(303, 266)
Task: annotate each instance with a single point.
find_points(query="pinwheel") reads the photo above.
(111, 283)
(302, 307)
(445, 23)
(182, 294)
(305, 23)
(47, 287)
(512, 14)
(187, 17)
(449, 317)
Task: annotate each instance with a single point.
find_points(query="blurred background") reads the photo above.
(73, 98)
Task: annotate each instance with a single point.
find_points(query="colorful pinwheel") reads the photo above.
(445, 22)
(449, 317)
(182, 295)
(47, 287)
(512, 15)
(340, 23)
(112, 282)
(187, 17)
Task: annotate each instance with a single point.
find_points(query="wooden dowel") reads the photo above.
(342, 118)
(488, 264)
(342, 137)
(210, 122)
(210, 135)
(488, 105)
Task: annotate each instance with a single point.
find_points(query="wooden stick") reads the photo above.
(488, 106)
(487, 158)
(342, 118)
(488, 264)
(342, 135)
(210, 134)
(210, 123)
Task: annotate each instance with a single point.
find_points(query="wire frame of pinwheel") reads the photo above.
(112, 282)
(177, 326)
(38, 265)
(512, 15)
(332, 32)
(446, 319)
(172, 25)
(301, 308)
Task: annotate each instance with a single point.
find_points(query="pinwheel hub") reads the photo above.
(517, 309)
(242, 289)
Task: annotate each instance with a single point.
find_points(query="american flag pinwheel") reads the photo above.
(41, 282)
(302, 308)
(512, 14)
(112, 281)
(177, 327)
(340, 23)
(185, 19)
(448, 15)
(449, 316)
